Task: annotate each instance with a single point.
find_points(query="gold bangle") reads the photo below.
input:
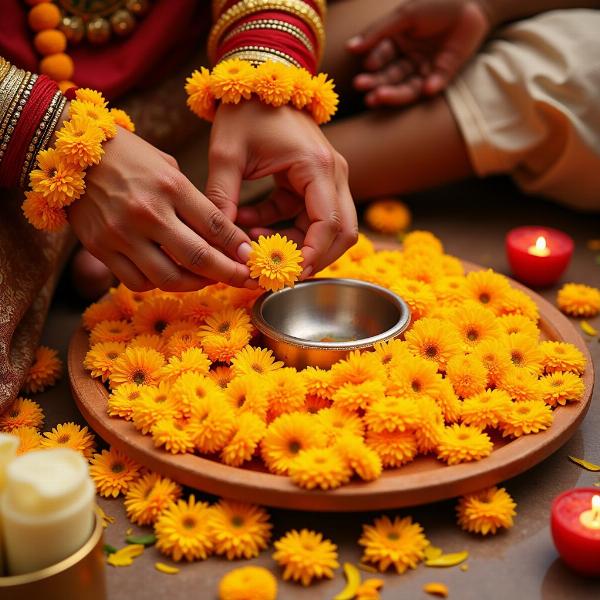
(256, 57)
(217, 7)
(13, 89)
(248, 7)
(6, 93)
(4, 69)
(272, 53)
(273, 24)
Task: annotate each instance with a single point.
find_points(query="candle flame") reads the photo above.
(540, 243)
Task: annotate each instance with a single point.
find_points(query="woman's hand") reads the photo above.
(418, 49)
(251, 140)
(151, 227)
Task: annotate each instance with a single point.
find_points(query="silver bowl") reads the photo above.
(319, 321)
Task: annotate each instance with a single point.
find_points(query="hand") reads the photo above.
(418, 49)
(151, 227)
(251, 140)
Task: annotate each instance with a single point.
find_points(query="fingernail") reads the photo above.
(306, 273)
(244, 251)
(354, 41)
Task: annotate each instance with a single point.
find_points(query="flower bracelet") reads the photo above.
(59, 177)
(275, 84)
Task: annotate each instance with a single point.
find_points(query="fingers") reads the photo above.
(380, 55)
(395, 73)
(225, 172)
(397, 95)
(126, 272)
(279, 206)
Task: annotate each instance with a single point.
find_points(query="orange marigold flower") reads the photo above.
(79, 142)
(325, 100)
(254, 360)
(475, 324)
(354, 396)
(273, 83)
(97, 113)
(154, 404)
(336, 422)
(122, 400)
(221, 375)
(201, 99)
(521, 384)
(100, 357)
(190, 388)
(467, 374)
(248, 582)
(318, 382)
(450, 290)
(414, 377)
(225, 321)
(192, 360)
(21, 413)
(41, 214)
(69, 435)
(284, 390)
(323, 468)
(562, 387)
(486, 511)
(495, 356)
(29, 439)
(364, 461)
(485, 409)
(357, 368)
(250, 430)
(173, 434)
(155, 314)
(434, 340)
(111, 331)
(197, 306)
(122, 119)
(137, 365)
(562, 356)
(463, 443)
(388, 216)
(302, 90)
(247, 394)
(44, 371)
(417, 294)
(147, 341)
(419, 238)
(231, 80)
(223, 347)
(392, 413)
(515, 323)
(395, 448)
(113, 472)
(517, 302)
(528, 416)
(212, 424)
(525, 352)
(128, 301)
(579, 300)
(105, 310)
(431, 428)
(148, 496)
(488, 288)
(275, 261)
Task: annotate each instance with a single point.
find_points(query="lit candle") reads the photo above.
(576, 529)
(8, 451)
(48, 508)
(538, 256)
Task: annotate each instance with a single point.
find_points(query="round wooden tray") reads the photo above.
(420, 482)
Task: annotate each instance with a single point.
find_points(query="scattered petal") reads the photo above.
(587, 328)
(448, 560)
(584, 463)
(436, 589)
(168, 569)
(353, 579)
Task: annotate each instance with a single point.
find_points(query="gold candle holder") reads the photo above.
(78, 576)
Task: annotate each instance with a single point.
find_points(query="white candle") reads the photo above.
(48, 508)
(8, 451)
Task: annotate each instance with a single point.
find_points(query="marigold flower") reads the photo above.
(122, 119)
(488, 288)
(44, 371)
(392, 354)
(395, 448)
(525, 352)
(413, 377)
(79, 142)
(248, 583)
(191, 388)
(56, 179)
(431, 428)
(222, 375)
(91, 96)
(128, 301)
(325, 100)
(354, 396)
(247, 394)
(154, 404)
(418, 295)
(100, 115)
(388, 216)
(562, 356)
(223, 347)
(212, 424)
(528, 416)
(183, 530)
(284, 390)
(137, 365)
(192, 360)
(225, 322)
(173, 434)
(21, 413)
(562, 387)
(318, 382)
(275, 261)
(69, 435)
(521, 385)
(579, 300)
(111, 331)
(515, 323)
(336, 422)
(419, 238)
(434, 340)
(467, 374)
(486, 511)
(29, 439)
(238, 529)
(147, 341)
(250, 430)
(463, 443)
(364, 461)
(448, 401)
(105, 310)
(517, 302)
(100, 358)
(180, 341)
(41, 214)
(452, 266)
(421, 264)
(305, 556)
(122, 400)
(399, 543)
(251, 360)
(392, 413)
(496, 358)
(302, 90)
(113, 472)
(323, 468)
(485, 409)
(475, 324)
(148, 496)
(231, 80)
(197, 306)
(357, 368)
(273, 83)
(155, 313)
(201, 99)
(450, 290)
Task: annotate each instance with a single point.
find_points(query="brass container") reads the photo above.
(77, 577)
(319, 321)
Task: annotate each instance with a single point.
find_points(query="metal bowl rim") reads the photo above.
(266, 329)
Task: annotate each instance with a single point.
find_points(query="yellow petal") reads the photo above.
(436, 589)
(168, 569)
(106, 519)
(119, 560)
(432, 552)
(585, 464)
(587, 328)
(352, 582)
(464, 567)
(448, 560)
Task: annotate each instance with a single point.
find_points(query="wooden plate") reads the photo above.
(422, 481)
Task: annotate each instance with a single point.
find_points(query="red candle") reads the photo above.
(576, 529)
(538, 256)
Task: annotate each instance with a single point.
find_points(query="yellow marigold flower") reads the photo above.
(69, 435)
(284, 390)
(56, 179)
(364, 461)
(105, 310)
(325, 100)
(231, 80)
(450, 290)
(212, 424)
(579, 300)
(463, 443)
(111, 331)
(517, 302)
(173, 434)
(451, 266)
(137, 365)
(21, 413)
(197, 306)
(192, 360)
(318, 382)
(29, 439)
(486, 511)
(250, 430)
(417, 294)
(275, 261)
(354, 396)
(248, 583)
(521, 385)
(180, 341)
(392, 413)
(515, 323)
(254, 360)
(413, 377)
(148, 496)
(91, 96)
(97, 113)
(487, 288)
(222, 376)
(434, 340)
(155, 313)
(79, 142)
(122, 119)
(305, 556)
(525, 352)
(128, 301)
(369, 589)
(154, 404)
(41, 215)
(179, 325)
(225, 322)
(113, 472)
(485, 409)
(419, 238)
(247, 394)
(223, 347)
(399, 543)
(273, 83)
(496, 358)
(395, 448)
(201, 99)
(238, 529)
(467, 374)
(357, 368)
(475, 324)
(562, 387)
(183, 530)
(391, 354)
(148, 341)
(302, 90)
(286, 436)
(336, 422)
(376, 270)
(562, 356)
(422, 264)
(528, 416)
(44, 371)
(431, 428)
(324, 468)
(122, 400)
(100, 358)
(343, 267)
(191, 388)
(449, 402)
(388, 216)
